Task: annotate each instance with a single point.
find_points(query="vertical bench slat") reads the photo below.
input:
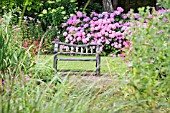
(86, 49)
(67, 48)
(61, 48)
(56, 47)
(77, 49)
(91, 50)
(81, 49)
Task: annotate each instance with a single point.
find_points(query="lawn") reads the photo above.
(109, 65)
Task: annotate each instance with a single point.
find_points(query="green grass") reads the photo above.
(109, 65)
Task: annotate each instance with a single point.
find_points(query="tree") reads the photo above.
(107, 5)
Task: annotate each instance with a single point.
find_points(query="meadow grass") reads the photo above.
(109, 65)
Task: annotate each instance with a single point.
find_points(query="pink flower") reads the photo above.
(127, 44)
(107, 41)
(117, 12)
(86, 19)
(79, 34)
(106, 33)
(71, 29)
(22, 86)
(66, 40)
(92, 29)
(111, 35)
(86, 25)
(150, 16)
(84, 41)
(99, 40)
(120, 9)
(94, 13)
(162, 10)
(112, 20)
(124, 16)
(112, 15)
(79, 39)
(94, 18)
(79, 14)
(69, 22)
(136, 15)
(25, 79)
(146, 20)
(65, 34)
(165, 19)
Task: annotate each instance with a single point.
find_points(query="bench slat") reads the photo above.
(78, 53)
(74, 45)
(76, 59)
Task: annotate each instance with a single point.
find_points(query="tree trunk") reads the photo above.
(107, 6)
(115, 3)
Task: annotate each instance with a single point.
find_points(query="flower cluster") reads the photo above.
(106, 28)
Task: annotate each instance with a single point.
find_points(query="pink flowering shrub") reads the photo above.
(106, 28)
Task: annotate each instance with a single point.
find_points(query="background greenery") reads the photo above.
(28, 82)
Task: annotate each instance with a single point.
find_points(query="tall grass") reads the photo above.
(24, 91)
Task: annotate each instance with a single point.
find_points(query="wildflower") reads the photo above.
(25, 79)
(79, 39)
(40, 15)
(72, 0)
(49, 27)
(124, 16)
(58, 0)
(79, 14)
(50, 2)
(149, 16)
(146, 20)
(71, 14)
(117, 12)
(62, 7)
(65, 34)
(65, 18)
(44, 11)
(64, 25)
(136, 15)
(53, 10)
(120, 9)
(22, 86)
(165, 19)
(63, 12)
(86, 19)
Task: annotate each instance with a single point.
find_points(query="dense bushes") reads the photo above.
(149, 60)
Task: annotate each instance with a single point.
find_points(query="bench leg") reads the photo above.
(98, 65)
(55, 63)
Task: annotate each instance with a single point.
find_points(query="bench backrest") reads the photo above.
(86, 49)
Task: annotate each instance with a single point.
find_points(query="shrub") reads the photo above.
(149, 58)
(106, 28)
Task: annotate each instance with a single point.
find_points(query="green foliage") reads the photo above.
(12, 55)
(164, 3)
(144, 88)
(150, 59)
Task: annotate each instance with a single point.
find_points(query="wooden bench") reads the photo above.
(73, 49)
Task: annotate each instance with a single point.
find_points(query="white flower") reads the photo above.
(53, 10)
(44, 11)
(63, 12)
(40, 15)
(65, 18)
(50, 2)
(72, 0)
(62, 7)
(58, 0)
